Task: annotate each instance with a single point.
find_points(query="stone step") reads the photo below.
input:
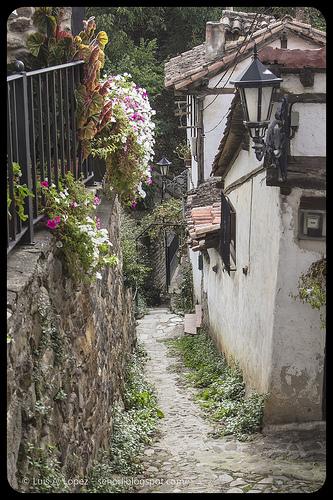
(190, 324)
(198, 313)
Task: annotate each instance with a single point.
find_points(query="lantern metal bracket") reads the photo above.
(275, 149)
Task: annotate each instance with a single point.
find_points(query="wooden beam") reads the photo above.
(306, 172)
(311, 165)
(214, 91)
(307, 97)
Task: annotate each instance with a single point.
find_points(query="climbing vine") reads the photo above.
(312, 288)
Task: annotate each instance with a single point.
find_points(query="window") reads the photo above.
(228, 234)
(312, 218)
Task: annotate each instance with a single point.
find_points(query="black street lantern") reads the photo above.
(257, 86)
(164, 165)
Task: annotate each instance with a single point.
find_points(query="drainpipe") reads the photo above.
(201, 137)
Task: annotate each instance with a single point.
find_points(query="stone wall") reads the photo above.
(67, 355)
(20, 26)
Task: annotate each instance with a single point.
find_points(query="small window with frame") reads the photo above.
(228, 234)
(312, 218)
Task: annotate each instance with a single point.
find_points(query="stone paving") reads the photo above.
(186, 458)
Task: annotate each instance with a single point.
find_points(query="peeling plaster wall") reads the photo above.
(310, 140)
(241, 306)
(298, 342)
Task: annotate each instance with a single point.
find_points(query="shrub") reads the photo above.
(222, 394)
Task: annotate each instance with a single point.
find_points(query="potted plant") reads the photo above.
(183, 151)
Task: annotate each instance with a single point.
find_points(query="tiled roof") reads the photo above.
(203, 215)
(191, 66)
(239, 23)
(294, 58)
(205, 223)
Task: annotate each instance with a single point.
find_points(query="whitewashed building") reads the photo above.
(277, 228)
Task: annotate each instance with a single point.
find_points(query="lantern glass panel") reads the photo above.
(251, 96)
(164, 169)
(266, 98)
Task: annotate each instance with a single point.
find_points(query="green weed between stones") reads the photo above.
(222, 389)
(134, 425)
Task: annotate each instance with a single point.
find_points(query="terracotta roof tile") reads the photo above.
(204, 221)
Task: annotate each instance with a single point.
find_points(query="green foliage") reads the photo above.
(142, 39)
(45, 469)
(222, 394)
(133, 428)
(21, 191)
(312, 288)
(141, 62)
(141, 307)
(182, 300)
(168, 212)
(134, 272)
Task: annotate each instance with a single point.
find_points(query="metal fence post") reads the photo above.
(24, 152)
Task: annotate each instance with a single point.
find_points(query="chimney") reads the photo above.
(215, 39)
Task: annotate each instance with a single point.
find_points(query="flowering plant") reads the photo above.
(84, 245)
(125, 137)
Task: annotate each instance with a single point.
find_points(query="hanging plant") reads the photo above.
(125, 137)
(90, 95)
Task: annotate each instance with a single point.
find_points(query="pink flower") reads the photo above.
(134, 204)
(57, 219)
(51, 224)
(97, 200)
(149, 181)
(98, 222)
(74, 204)
(44, 184)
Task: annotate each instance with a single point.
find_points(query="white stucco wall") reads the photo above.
(196, 276)
(213, 129)
(276, 340)
(310, 139)
(241, 306)
(298, 342)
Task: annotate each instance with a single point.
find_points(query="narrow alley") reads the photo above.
(186, 458)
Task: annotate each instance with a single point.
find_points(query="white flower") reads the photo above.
(59, 244)
(98, 276)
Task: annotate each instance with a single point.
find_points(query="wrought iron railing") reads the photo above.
(41, 138)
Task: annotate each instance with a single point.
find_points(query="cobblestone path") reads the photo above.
(185, 458)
